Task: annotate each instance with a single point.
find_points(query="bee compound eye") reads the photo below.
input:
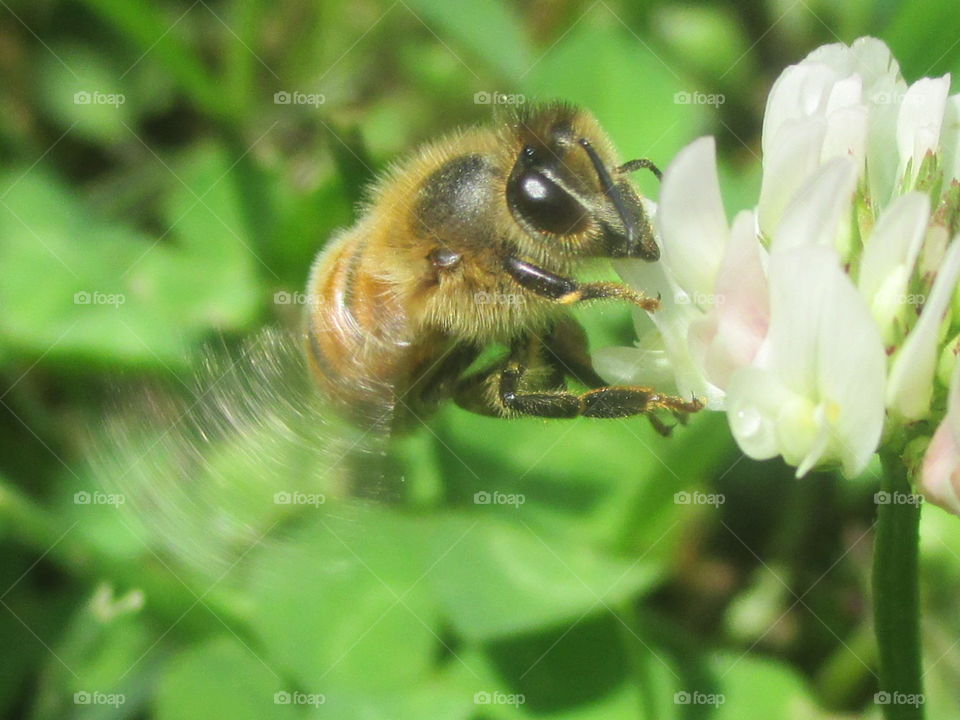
(541, 202)
(444, 257)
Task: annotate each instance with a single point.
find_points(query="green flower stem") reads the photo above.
(896, 596)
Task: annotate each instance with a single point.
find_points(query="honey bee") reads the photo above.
(473, 242)
(470, 245)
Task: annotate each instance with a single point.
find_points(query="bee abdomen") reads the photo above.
(358, 337)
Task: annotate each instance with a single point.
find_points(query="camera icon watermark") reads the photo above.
(698, 298)
(498, 98)
(87, 697)
(888, 97)
(299, 498)
(87, 297)
(685, 697)
(883, 497)
(899, 698)
(85, 497)
(496, 298)
(912, 299)
(285, 697)
(87, 97)
(496, 697)
(282, 297)
(284, 97)
(685, 97)
(699, 498)
(484, 497)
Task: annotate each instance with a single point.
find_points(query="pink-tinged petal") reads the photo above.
(819, 212)
(691, 218)
(737, 324)
(789, 162)
(940, 473)
(889, 258)
(920, 121)
(910, 389)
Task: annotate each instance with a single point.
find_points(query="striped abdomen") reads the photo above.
(359, 340)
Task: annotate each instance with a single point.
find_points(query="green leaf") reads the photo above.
(155, 37)
(622, 498)
(82, 91)
(340, 603)
(214, 281)
(565, 666)
(493, 577)
(78, 286)
(441, 697)
(755, 687)
(104, 662)
(222, 678)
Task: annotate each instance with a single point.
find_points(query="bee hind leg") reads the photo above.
(500, 393)
(524, 385)
(566, 348)
(611, 401)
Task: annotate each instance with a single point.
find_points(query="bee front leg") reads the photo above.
(566, 291)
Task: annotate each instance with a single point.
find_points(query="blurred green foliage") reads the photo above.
(156, 192)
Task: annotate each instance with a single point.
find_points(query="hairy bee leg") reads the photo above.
(566, 291)
(551, 404)
(612, 401)
(496, 392)
(626, 400)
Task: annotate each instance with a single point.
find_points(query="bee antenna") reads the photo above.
(641, 164)
(611, 191)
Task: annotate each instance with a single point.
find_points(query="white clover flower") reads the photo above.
(818, 320)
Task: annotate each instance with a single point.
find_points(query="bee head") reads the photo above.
(563, 187)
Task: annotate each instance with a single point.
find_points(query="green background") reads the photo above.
(199, 198)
